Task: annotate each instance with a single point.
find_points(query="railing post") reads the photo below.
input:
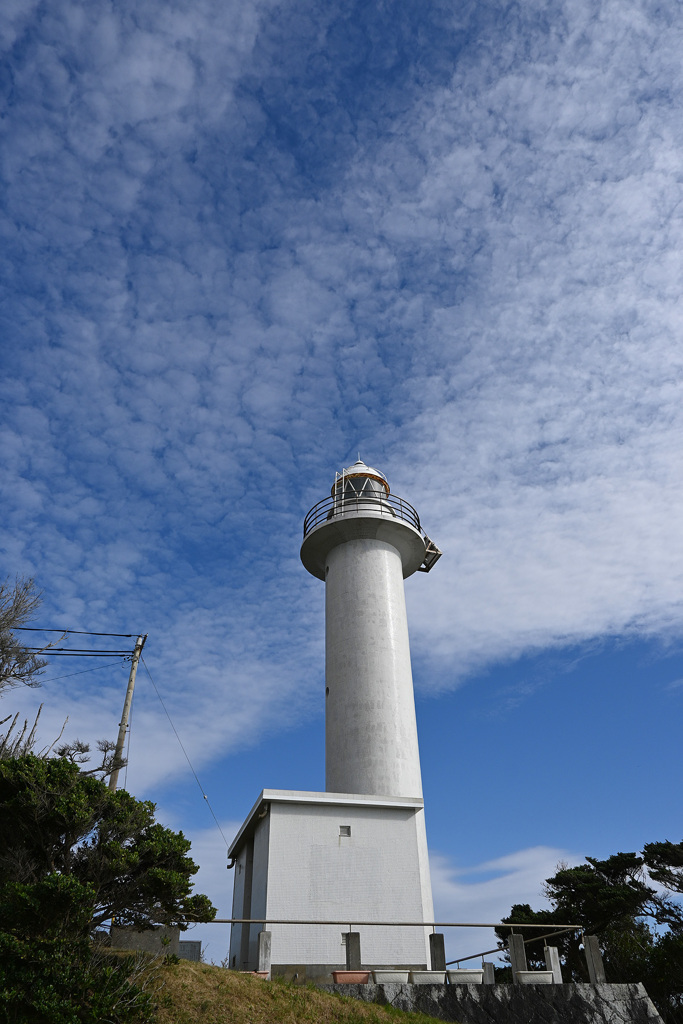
(489, 973)
(596, 968)
(517, 955)
(353, 962)
(264, 946)
(552, 963)
(437, 952)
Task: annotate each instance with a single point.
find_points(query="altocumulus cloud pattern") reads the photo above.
(242, 241)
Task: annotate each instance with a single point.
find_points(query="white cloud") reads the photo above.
(219, 292)
(237, 246)
(486, 892)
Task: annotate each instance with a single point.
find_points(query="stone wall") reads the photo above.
(515, 1004)
(160, 939)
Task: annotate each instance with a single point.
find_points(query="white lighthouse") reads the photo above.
(363, 542)
(356, 854)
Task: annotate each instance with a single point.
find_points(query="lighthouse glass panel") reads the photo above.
(355, 487)
(363, 486)
(358, 492)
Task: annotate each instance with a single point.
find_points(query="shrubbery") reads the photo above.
(74, 854)
(56, 981)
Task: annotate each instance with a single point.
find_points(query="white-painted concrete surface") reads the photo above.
(306, 867)
(357, 852)
(370, 729)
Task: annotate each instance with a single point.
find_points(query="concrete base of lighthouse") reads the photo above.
(331, 857)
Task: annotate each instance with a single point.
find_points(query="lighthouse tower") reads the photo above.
(363, 542)
(318, 865)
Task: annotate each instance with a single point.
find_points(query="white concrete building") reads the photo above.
(356, 854)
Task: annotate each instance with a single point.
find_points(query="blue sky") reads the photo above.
(242, 242)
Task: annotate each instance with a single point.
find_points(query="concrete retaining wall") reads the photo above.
(515, 1004)
(159, 939)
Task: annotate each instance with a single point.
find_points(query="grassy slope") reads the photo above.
(192, 993)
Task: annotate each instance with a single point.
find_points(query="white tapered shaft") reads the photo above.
(371, 734)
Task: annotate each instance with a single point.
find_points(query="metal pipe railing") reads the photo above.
(537, 938)
(342, 504)
(559, 929)
(394, 924)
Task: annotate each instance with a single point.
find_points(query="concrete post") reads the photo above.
(353, 962)
(437, 952)
(489, 973)
(596, 968)
(552, 963)
(264, 944)
(123, 724)
(517, 955)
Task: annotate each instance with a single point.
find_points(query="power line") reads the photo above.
(85, 653)
(82, 632)
(53, 679)
(72, 650)
(208, 803)
(81, 654)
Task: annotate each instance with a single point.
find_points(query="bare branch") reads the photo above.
(18, 603)
(18, 745)
(79, 753)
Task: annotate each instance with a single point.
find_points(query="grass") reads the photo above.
(192, 993)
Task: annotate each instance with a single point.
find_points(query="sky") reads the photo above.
(240, 243)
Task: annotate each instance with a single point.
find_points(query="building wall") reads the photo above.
(239, 877)
(375, 873)
(259, 885)
(423, 863)
(250, 887)
(161, 938)
(190, 949)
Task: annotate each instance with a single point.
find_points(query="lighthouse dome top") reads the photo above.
(359, 479)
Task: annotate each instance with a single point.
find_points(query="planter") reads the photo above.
(534, 977)
(390, 977)
(466, 976)
(427, 977)
(351, 977)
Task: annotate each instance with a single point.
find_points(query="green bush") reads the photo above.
(54, 981)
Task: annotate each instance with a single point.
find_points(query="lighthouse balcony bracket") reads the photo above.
(432, 555)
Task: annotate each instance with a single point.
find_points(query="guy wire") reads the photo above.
(201, 790)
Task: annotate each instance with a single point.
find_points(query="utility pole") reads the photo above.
(123, 725)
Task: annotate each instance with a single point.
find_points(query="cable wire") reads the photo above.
(76, 652)
(81, 632)
(86, 654)
(53, 679)
(208, 803)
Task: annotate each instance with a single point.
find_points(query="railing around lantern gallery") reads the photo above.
(340, 504)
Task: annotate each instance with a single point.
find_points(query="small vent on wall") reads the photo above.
(345, 830)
